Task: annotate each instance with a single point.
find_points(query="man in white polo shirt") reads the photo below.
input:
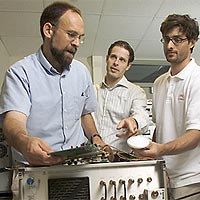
(176, 109)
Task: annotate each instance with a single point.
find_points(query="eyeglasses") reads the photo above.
(176, 40)
(72, 35)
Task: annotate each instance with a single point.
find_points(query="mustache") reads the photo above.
(72, 50)
(170, 51)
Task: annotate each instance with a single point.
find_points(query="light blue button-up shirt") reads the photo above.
(53, 102)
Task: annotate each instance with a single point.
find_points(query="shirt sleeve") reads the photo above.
(15, 94)
(138, 110)
(90, 102)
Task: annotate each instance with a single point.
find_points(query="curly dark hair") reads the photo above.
(186, 24)
(54, 11)
(125, 45)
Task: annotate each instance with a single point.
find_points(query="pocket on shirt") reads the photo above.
(79, 102)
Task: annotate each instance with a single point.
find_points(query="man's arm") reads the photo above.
(90, 130)
(91, 133)
(139, 118)
(189, 140)
(138, 111)
(186, 142)
(130, 127)
(34, 150)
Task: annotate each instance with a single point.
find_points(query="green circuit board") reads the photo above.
(87, 152)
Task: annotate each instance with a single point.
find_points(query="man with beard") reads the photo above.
(47, 98)
(120, 101)
(176, 109)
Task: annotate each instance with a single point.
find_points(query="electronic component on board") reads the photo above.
(88, 153)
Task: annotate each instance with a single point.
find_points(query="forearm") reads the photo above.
(14, 129)
(90, 130)
(34, 150)
(139, 114)
(186, 142)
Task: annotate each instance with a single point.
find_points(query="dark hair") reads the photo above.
(125, 45)
(53, 12)
(186, 25)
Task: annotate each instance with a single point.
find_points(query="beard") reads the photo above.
(63, 57)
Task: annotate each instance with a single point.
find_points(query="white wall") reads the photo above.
(14, 59)
(96, 66)
(4, 60)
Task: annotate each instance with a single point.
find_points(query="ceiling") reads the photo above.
(136, 21)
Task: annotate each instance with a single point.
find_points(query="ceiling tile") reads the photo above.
(19, 24)
(123, 26)
(150, 49)
(131, 7)
(21, 46)
(21, 5)
(136, 21)
(86, 6)
(180, 7)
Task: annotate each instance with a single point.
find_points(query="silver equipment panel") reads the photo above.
(137, 180)
(5, 161)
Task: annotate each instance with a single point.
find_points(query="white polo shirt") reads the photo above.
(176, 108)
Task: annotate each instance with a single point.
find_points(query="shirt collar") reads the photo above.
(186, 71)
(45, 63)
(123, 82)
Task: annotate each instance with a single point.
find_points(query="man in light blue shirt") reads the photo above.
(47, 98)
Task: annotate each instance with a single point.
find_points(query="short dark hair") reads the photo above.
(54, 11)
(186, 25)
(125, 45)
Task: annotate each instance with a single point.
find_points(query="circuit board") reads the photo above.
(88, 153)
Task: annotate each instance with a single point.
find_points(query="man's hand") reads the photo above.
(153, 150)
(97, 140)
(130, 127)
(110, 152)
(35, 151)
